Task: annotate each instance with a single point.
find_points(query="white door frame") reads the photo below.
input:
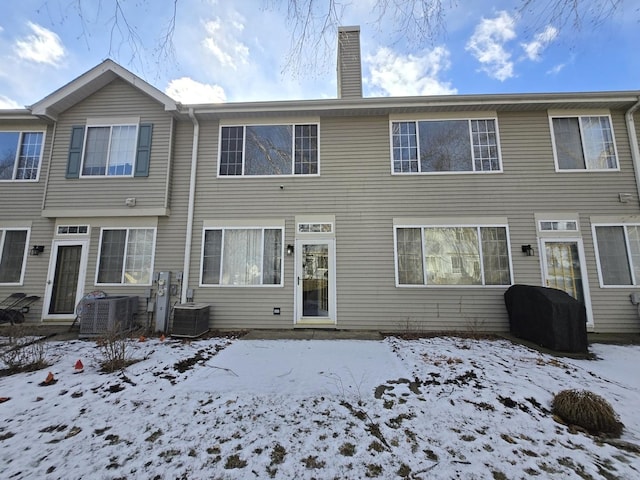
(583, 268)
(82, 273)
(299, 319)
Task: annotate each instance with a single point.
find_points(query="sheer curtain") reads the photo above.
(241, 263)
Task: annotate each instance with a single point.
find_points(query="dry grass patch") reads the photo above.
(587, 410)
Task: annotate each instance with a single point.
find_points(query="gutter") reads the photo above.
(192, 196)
(633, 142)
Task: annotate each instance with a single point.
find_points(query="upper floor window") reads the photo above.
(269, 150)
(110, 150)
(103, 150)
(436, 146)
(13, 251)
(126, 256)
(456, 255)
(618, 248)
(584, 143)
(20, 155)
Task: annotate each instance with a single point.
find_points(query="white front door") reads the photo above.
(315, 281)
(563, 268)
(65, 281)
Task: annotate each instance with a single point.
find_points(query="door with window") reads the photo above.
(315, 281)
(563, 269)
(67, 270)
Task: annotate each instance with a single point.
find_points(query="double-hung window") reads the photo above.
(440, 146)
(618, 248)
(126, 256)
(262, 150)
(110, 148)
(584, 143)
(20, 155)
(13, 252)
(452, 255)
(242, 256)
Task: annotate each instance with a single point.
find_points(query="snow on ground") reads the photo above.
(437, 408)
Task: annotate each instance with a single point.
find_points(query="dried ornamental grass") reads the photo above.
(587, 410)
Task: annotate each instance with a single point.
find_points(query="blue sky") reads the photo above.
(237, 51)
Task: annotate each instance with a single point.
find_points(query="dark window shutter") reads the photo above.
(75, 152)
(144, 150)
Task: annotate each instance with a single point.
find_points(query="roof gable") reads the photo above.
(90, 82)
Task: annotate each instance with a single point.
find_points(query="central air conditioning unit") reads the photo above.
(107, 315)
(190, 320)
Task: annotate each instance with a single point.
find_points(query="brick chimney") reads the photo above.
(349, 63)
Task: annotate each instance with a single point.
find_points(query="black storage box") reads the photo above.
(548, 317)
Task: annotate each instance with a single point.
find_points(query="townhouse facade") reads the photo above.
(348, 213)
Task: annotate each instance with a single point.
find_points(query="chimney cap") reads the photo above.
(353, 28)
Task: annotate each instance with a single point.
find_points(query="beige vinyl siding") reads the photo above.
(349, 63)
(356, 185)
(21, 205)
(117, 99)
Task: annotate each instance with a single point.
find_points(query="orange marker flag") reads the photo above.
(78, 367)
(142, 338)
(162, 337)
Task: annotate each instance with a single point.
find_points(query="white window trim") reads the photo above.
(121, 122)
(24, 255)
(15, 160)
(468, 118)
(242, 225)
(579, 116)
(244, 126)
(635, 282)
(422, 226)
(124, 259)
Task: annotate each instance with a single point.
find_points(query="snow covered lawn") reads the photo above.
(437, 408)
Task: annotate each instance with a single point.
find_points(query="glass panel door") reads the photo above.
(65, 281)
(315, 281)
(67, 270)
(563, 268)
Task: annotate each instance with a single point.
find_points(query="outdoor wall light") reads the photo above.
(527, 250)
(289, 249)
(37, 249)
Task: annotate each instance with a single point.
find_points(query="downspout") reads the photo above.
(192, 196)
(633, 142)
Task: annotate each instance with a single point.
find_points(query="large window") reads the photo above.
(20, 155)
(110, 150)
(126, 256)
(437, 146)
(269, 150)
(584, 143)
(242, 256)
(13, 251)
(618, 249)
(456, 255)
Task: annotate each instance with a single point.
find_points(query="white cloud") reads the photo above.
(187, 90)
(44, 46)
(535, 48)
(555, 70)
(221, 41)
(399, 75)
(6, 102)
(487, 45)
